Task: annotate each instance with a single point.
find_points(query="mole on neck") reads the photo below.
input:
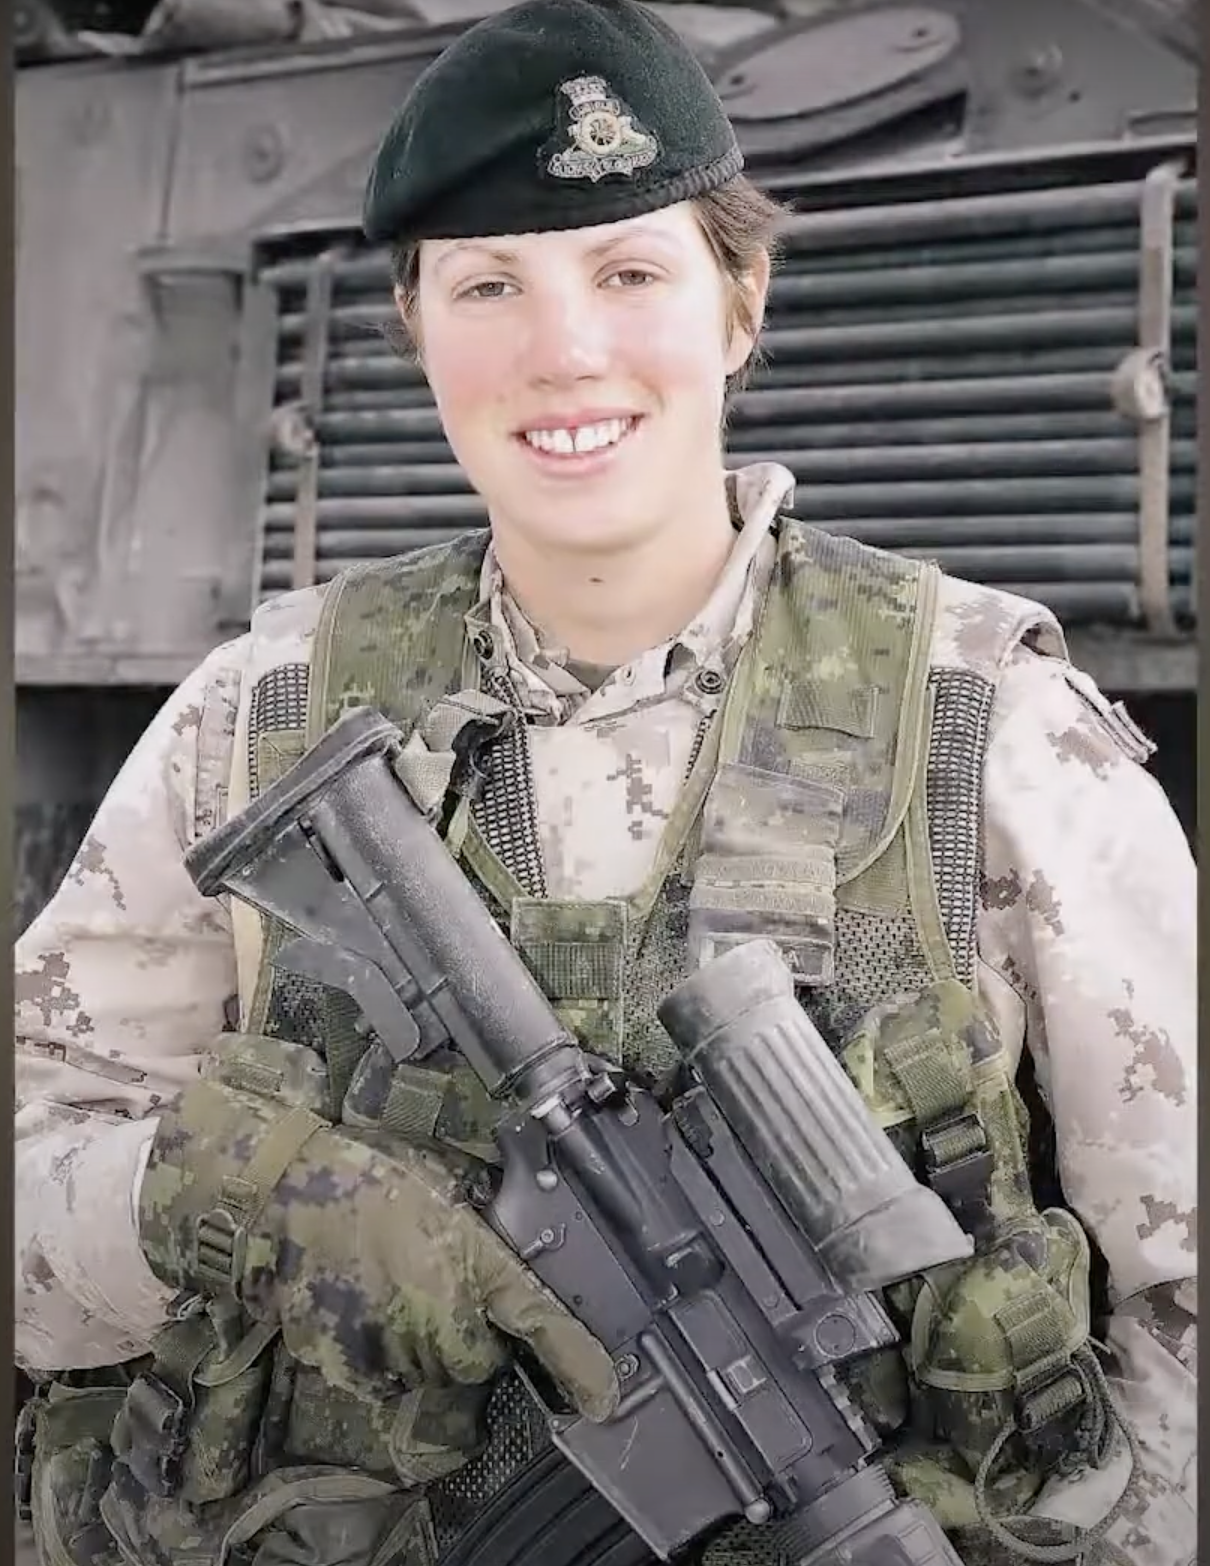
(606, 611)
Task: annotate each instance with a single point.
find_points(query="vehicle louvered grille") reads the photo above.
(940, 379)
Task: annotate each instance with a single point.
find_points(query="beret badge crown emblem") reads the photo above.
(603, 136)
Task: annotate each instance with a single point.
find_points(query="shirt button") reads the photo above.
(709, 682)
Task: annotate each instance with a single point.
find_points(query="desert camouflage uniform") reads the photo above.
(1085, 944)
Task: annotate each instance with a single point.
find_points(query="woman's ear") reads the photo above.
(748, 319)
(405, 333)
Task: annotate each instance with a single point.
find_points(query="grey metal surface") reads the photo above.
(128, 428)
(92, 171)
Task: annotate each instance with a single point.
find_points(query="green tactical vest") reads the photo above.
(833, 804)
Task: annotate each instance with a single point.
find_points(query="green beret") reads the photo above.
(552, 114)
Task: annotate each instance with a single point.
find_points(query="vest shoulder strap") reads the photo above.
(391, 634)
(836, 687)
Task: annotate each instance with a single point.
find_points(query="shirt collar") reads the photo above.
(711, 641)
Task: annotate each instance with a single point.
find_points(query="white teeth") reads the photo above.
(588, 437)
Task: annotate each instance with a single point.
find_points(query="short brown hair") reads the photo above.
(739, 221)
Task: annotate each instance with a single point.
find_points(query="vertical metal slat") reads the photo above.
(315, 358)
(1156, 244)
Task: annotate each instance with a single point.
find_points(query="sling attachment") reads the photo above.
(1059, 1412)
(220, 1238)
(933, 1069)
(1049, 1400)
(468, 778)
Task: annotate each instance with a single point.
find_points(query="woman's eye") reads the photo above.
(492, 288)
(630, 277)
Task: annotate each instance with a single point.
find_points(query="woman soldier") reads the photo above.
(914, 793)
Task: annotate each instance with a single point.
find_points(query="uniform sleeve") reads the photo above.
(120, 984)
(1089, 916)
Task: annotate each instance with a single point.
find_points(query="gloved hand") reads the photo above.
(372, 1262)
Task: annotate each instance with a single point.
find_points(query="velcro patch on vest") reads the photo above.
(577, 953)
(767, 868)
(812, 704)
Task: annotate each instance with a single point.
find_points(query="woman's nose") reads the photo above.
(569, 335)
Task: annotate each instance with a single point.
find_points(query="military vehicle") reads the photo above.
(981, 347)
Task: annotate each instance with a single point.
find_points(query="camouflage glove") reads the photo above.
(371, 1263)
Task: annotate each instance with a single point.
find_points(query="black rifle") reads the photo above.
(725, 1252)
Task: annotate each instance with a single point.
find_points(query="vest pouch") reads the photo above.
(298, 1516)
(71, 1461)
(410, 1438)
(767, 867)
(440, 1105)
(188, 1426)
(998, 1354)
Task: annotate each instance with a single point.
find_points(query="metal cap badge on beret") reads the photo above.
(552, 114)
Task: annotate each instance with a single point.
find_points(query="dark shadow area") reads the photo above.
(1170, 720)
(71, 744)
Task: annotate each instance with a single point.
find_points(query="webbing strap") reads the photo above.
(1038, 1329)
(308, 1487)
(934, 1072)
(222, 1232)
(450, 1106)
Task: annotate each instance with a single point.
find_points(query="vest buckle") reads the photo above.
(219, 1245)
(1051, 1401)
(958, 1165)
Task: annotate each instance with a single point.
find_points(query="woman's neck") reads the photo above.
(608, 609)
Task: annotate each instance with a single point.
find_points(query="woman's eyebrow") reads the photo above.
(463, 246)
(641, 232)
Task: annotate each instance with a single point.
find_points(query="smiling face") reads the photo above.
(580, 375)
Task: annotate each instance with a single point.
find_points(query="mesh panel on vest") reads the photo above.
(655, 966)
(877, 958)
(506, 811)
(299, 1009)
(305, 1012)
(279, 702)
(962, 710)
(517, 1434)
(296, 1008)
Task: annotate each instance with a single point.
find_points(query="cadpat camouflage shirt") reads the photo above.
(1086, 942)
